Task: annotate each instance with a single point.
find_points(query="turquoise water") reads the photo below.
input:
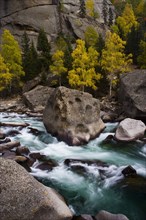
(98, 187)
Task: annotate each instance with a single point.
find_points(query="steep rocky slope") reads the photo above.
(31, 15)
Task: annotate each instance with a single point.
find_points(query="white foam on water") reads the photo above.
(113, 175)
(62, 175)
(143, 151)
(62, 151)
(93, 170)
(140, 169)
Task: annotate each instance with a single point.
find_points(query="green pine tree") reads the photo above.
(105, 11)
(111, 17)
(25, 44)
(142, 57)
(44, 48)
(33, 68)
(82, 9)
(132, 43)
(100, 45)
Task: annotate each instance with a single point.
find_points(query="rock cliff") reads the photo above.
(51, 15)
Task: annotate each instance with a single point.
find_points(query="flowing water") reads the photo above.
(100, 187)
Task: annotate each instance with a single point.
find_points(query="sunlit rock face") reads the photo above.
(31, 15)
(73, 116)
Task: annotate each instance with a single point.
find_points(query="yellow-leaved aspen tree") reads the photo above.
(113, 60)
(5, 75)
(57, 68)
(83, 73)
(11, 52)
(127, 20)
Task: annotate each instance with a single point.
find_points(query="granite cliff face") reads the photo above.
(51, 15)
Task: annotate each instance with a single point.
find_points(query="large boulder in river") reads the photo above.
(23, 197)
(73, 116)
(36, 98)
(132, 94)
(130, 130)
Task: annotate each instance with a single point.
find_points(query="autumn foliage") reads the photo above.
(79, 63)
(11, 71)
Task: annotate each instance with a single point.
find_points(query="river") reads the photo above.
(100, 187)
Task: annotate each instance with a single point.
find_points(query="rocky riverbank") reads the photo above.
(33, 105)
(15, 151)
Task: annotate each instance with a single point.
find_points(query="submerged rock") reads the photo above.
(34, 131)
(104, 215)
(100, 163)
(12, 133)
(48, 165)
(22, 150)
(73, 116)
(37, 155)
(23, 197)
(129, 171)
(130, 130)
(108, 139)
(5, 140)
(81, 166)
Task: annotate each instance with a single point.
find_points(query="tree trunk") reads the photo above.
(82, 88)
(110, 90)
(59, 80)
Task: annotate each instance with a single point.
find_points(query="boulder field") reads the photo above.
(73, 116)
